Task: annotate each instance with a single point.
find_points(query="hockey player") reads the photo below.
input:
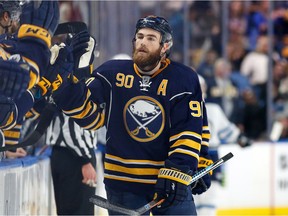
(157, 128)
(222, 132)
(24, 57)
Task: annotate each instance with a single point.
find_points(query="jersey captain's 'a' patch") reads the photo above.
(143, 118)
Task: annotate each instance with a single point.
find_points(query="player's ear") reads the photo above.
(5, 17)
(164, 49)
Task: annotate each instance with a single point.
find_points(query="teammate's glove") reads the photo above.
(83, 46)
(204, 183)
(14, 78)
(39, 22)
(172, 183)
(61, 64)
(8, 114)
(243, 141)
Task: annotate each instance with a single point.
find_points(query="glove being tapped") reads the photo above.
(83, 46)
(61, 64)
(204, 183)
(172, 183)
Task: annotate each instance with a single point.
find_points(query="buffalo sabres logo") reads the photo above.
(144, 118)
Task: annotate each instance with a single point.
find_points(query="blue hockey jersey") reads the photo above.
(148, 119)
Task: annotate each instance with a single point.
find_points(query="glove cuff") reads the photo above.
(204, 162)
(175, 176)
(36, 32)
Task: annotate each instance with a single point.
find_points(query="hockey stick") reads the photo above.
(45, 120)
(104, 203)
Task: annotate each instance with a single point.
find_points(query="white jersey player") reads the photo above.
(222, 132)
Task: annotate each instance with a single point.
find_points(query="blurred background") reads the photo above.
(243, 42)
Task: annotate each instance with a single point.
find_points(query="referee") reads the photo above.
(73, 165)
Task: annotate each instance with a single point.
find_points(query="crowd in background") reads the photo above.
(237, 72)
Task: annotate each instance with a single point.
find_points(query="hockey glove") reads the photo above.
(172, 183)
(204, 183)
(8, 114)
(14, 78)
(60, 66)
(83, 46)
(39, 22)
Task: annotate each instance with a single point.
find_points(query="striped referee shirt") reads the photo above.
(64, 132)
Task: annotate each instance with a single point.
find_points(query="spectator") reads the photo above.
(255, 67)
(223, 91)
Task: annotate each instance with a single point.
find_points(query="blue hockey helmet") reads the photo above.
(12, 7)
(158, 24)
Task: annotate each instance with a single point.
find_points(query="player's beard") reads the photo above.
(148, 61)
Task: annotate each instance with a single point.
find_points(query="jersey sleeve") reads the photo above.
(189, 135)
(83, 102)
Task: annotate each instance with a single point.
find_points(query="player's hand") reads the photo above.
(204, 183)
(83, 46)
(44, 15)
(89, 175)
(38, 21)
(243, 141)
(61, 65)
(20, 152)
(14, 78)
(172, 184)
(8, 113)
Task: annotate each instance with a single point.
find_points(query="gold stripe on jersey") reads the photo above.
(132, 171)
(12, 136)
(90, 108)
(185, 133)
(34, 74)
(79, 109)
(183, 151)
(187, 142)
(92, 124)
(128, 179)
(11, 122)
(206, 135)
(132, 161)
(100, 123)
(32, 114)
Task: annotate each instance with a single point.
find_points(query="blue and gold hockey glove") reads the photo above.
(61, 64)
(172, 184)
(204, 183)
(14, 78)
(39, 22)
(8, 114)
(83, 46)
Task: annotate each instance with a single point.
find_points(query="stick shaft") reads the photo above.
(104, 203)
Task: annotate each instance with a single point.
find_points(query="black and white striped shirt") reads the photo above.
(64, 132)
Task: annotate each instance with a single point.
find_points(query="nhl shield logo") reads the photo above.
(144, 118)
